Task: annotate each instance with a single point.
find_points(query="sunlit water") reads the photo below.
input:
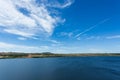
(62, 68)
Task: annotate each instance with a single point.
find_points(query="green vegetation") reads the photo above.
(48, 54)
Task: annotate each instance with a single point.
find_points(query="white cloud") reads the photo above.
(113, 37)
(18, 32)
(21, 48)
(37, 19)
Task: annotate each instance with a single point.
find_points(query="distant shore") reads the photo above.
(4, 55)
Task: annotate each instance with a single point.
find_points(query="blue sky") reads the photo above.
(61, 26)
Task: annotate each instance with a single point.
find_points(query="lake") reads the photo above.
(61, 68)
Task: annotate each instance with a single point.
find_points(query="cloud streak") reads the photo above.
(27, 18)
(113, 37)
(56, 4)
(92, 27)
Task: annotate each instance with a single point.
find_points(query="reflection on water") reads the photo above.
(65, 68)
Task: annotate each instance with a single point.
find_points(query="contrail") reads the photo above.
(90, 28)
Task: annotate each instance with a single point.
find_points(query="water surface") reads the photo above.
(62, 68)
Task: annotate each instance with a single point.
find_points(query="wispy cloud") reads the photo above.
(54, 41)
(21, 38)
(21, 48)
(56, 4)
(92, 27)
(93, 37)
(9, 47)
(95, 50)
(113, 37)
(68, 34)
(78, 38)
(27, 18)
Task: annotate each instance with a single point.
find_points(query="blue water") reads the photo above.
(62, 68)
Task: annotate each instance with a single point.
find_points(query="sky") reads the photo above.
(60, 26)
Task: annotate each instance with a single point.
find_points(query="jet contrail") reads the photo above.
(90, 28)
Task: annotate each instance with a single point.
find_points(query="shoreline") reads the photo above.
(47, 55)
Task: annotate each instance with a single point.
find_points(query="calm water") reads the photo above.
(65, 68)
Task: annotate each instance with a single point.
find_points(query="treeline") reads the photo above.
(49, 54)
(23, 55)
